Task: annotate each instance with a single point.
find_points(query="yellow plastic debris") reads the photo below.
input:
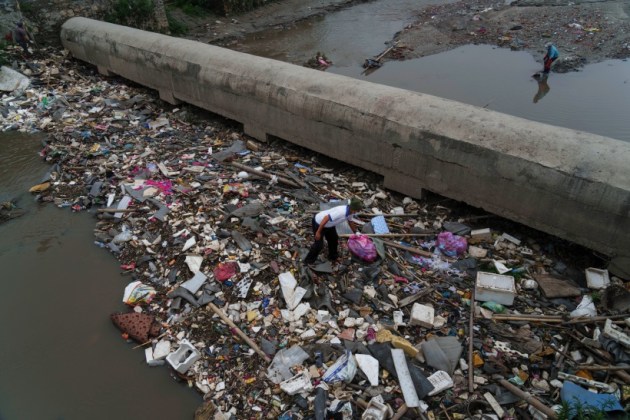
(251, 315)
(383, 336)
(40, 187)
(405, 345)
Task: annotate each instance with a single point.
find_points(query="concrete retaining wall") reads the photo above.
(568, 183)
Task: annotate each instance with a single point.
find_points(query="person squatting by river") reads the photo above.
(324, 224)
(551, 55)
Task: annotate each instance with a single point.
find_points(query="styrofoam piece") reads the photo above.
(480, 234)
(398, 318)
(587, 382)
(183, 358)
(122, 205)
(596, 278)
(151, 361)
(501, 268)
(404, 378)
(291, 292)
(440, 381)
(193, 284)
(194, 262)
(511, 238)
(162, 349)
(422, 315)
(369, 365)
(297, 384)
(295, 315)
(189, 243)
(377, 410)
(491, 287)
(323, 316)
(611, 332)
(494, 404)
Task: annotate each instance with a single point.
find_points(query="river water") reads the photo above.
(595, 99)
(60, 356)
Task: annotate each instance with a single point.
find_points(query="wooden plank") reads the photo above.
(556, 287)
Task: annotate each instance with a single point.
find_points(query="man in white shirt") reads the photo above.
(324, 224)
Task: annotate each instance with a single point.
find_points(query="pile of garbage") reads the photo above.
(318, 62)
(431, 311)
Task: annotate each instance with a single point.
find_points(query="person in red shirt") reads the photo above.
(20, 36)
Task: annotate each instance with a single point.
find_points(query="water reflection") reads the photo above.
(595, 99)
(543, 87)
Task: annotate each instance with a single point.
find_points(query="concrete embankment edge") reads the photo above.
(571, 184)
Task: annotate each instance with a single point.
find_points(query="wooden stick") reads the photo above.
(389, 235)
(599, 367)
(402, 410)
(281, 179)
(471, 334)
(409, 248)
(120, 210)
(238, 331)
(554, 318)
(530, 399)
(149, 342)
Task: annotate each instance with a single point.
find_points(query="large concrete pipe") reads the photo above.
(568, 183)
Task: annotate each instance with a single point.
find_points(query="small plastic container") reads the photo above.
(498, 288)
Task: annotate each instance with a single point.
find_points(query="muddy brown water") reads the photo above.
(60, 355)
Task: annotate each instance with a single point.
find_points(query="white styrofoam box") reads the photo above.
(183, 358)
(422, 315)
(491, 287)
(596, 278)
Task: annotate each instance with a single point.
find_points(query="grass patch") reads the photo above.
(135, 13)
(175, 27)
(4, 57)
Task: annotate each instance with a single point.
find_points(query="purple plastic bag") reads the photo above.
(451, 245)
(362, 247)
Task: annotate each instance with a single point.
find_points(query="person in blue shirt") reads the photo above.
(324, 226)
(551, 55)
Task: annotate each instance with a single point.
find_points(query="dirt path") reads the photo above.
(584, 31)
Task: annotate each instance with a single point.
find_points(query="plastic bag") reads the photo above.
(362, 247)
(586, 308)
(343, 370)
(137, 292)
(451, 245)
(224, 271)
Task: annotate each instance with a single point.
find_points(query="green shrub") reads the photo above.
(4, 58)
(175, 27)
(136, 13)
